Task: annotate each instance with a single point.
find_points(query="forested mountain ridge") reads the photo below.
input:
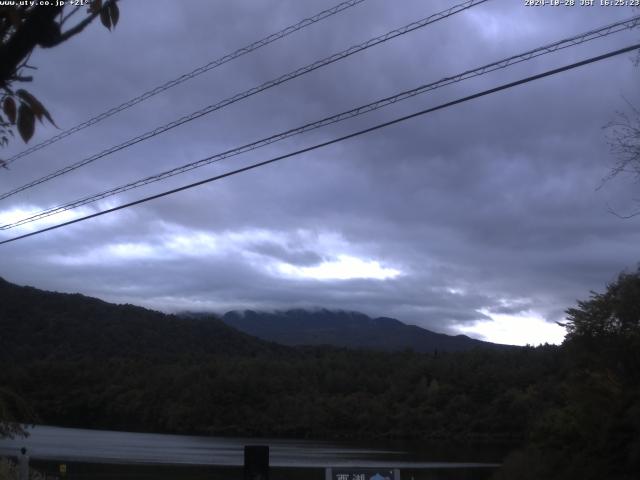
(41, 325)
(346, 329)
(38, 324)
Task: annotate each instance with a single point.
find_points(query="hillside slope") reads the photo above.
(41, 325)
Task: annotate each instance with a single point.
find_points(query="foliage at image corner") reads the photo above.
(23, 27)
(9, 471)
(15, 415)
(593, 430)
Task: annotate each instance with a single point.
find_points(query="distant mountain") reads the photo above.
(346, 329)
(41, 325)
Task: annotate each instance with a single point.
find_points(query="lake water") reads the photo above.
(51, 445)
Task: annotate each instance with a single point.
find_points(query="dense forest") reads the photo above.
(570, 411)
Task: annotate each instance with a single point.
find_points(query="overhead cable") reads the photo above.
(515, 59)
(331, 142)
(188, 76)
(252, 91)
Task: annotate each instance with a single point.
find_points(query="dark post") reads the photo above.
(23, 465)
(256, 462)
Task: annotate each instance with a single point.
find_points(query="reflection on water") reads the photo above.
(48, 445)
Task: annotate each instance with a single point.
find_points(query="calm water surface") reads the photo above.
(52, 444)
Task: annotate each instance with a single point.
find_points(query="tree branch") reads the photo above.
(621, 216)
(83, 24)
(69, 15)
(25, 39)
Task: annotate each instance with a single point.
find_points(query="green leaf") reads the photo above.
(105, 18)
(37, 107)
(26, 122)
(115, 13)
(10, 110)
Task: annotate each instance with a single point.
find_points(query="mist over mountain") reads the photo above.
(37, 324)
(346, 329)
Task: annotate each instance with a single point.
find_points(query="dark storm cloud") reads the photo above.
(490, 206)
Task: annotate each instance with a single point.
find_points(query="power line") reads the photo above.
(528, 55)
(188, 76)
(335, 140)
(247, 93)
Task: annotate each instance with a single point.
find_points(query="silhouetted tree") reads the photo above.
(624, 141)
(23, 27)
(615, 312)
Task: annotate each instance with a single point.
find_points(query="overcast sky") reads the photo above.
(484, 218)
